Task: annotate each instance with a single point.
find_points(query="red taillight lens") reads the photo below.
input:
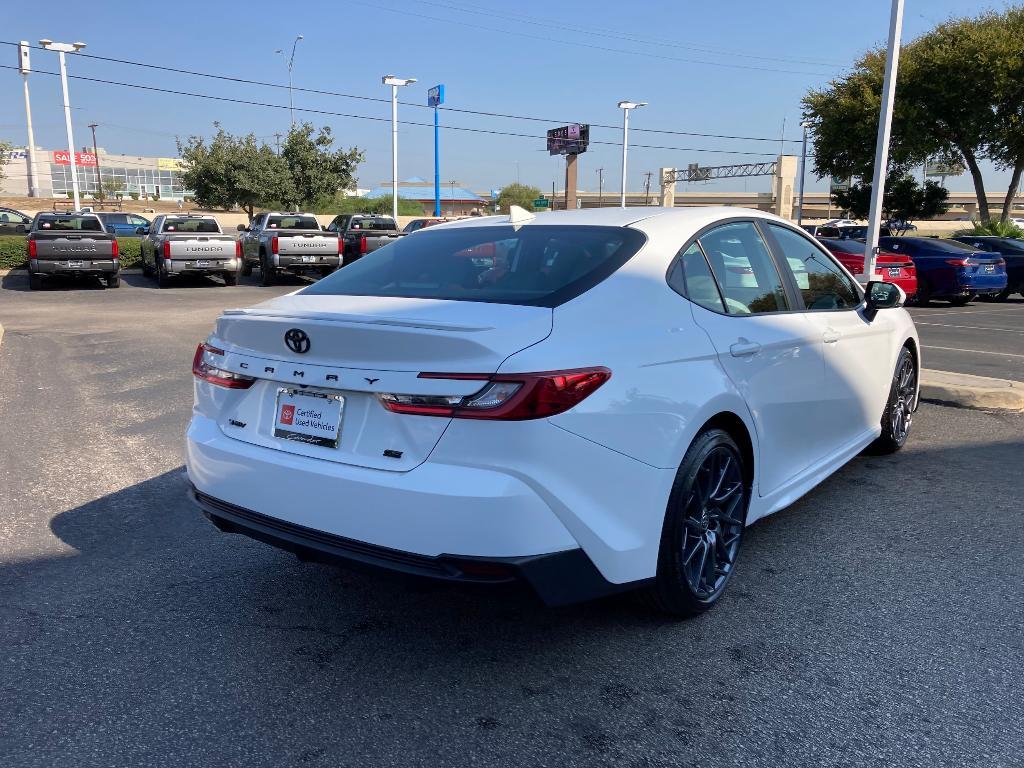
(238, 249)
(33, 251)
(273, 244)
(362, 244)
(510, 396)
(204, 366)
(167, 249)
(341, 247)
(115, 251)
(1000, 262)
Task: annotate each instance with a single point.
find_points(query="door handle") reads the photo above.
(744, 348)
(831, 336)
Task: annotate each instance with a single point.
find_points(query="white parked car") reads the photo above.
(589, 401)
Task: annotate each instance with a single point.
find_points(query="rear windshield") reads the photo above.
(292, 222)
(928, 244)
(206, 226)
(78, 223)
(844, 246)
(538, 266)
(366, 222)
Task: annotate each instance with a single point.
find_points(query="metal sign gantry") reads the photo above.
(695, 172)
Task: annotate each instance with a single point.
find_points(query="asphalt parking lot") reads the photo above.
(985, 338)
(877, 622)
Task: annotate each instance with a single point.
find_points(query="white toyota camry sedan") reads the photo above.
(588, 401)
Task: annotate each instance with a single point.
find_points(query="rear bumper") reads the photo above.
(559, 578)
(63, 267)
(294, 263)
(982, 285)
(191, 267)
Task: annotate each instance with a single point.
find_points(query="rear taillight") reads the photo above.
(362, 244)
(205, 367)
(115, 251)
(273, 244)
(167, 249)
(33, 251)
(959, 262)
(1000, 262)
(238, 249)
(341, 247)
(507, 396)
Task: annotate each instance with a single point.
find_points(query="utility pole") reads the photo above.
(291, 63)
(647, 188)
(24, 66)
(452, 183)
(803, 175)
(600, 187)
(277, 140)
(96, 154)
(892, 61)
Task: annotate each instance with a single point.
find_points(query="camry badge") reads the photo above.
(296, 340)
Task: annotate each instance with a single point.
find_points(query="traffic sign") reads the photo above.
(541, 202)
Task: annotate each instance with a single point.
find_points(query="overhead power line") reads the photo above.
(330, 113)
(458, 110)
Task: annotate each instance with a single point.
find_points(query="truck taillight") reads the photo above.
(167, 249)
(205, 367)
(362, 244)
(32, 249)
(238, 249)
(115, 251)
(273, 244)
(508, 397)
(341, 246)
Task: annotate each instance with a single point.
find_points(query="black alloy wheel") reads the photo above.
(703, 527)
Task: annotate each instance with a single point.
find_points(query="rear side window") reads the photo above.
(367, 222)
(691, 276)
(204, 226)
(531, 265)
(746, 273)
(821, 281)
(292, 222)
(71, 223)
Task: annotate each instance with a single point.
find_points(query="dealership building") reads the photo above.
(143, 175)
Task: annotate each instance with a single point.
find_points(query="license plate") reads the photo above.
(894, 271)
(202, 263)
(308, 258)
(308, 417)
(76, 264)
(989, 269)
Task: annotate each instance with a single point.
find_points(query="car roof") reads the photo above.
(621, 217)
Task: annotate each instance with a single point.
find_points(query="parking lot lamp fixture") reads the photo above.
(625, 106)
(291, 63)
(395, 83)
(61, 49)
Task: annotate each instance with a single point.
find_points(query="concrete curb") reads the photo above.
(969, 391)
(1, 333)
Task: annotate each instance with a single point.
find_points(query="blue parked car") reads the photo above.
(123, 224)
(1012, 252)
(950, 270)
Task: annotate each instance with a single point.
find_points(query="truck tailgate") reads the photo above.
(203, 247)
(375, 240)
(320, 245)
(63, 246)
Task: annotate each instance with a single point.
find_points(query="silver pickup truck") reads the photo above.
(189, 244)
(288, 242)
(71, 245)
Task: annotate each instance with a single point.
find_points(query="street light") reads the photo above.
(61, 49)
(625, 106)
(291, 62)
(395, 83)
(803, 174)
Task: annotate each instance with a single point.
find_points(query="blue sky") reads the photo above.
(732, 67)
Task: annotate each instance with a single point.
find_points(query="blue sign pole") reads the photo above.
(435, 98)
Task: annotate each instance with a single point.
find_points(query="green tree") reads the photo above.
(522, 195)
(904, 200)
(317, 171)
(5, 157)
(959, 97)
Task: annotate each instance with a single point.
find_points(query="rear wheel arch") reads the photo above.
(738, 431)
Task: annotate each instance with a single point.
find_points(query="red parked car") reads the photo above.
(890, 267)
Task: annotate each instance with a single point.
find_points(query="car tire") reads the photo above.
(924, 292)
(246, 268)
(1003, 295)
(961, 301)
(703, 528)
(163, 280)
(899, 407)
(113, 281)
(230, 278)
(266, 272)
(327, 271)
(35, 281)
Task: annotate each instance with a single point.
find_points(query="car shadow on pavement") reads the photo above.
(17, 280)
(139, 280)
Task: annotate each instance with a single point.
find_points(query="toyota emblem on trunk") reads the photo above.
(297, 340)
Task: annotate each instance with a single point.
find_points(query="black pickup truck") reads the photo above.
(363, 233)
(71, 245)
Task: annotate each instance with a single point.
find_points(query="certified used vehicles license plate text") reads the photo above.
(894, 271)
(308, 417)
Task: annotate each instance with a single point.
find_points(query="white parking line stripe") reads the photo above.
(944, 312)
(973, 351)
(973, 327)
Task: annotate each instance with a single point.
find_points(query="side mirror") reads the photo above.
(140, 231)
(880, 295)
(241, 228)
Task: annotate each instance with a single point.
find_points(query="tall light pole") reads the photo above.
(803, 176)
(61, 49)
(24, 66)
(892, 62)
(395, 83)
(291, 63)
(625, 106)
(600, 187)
